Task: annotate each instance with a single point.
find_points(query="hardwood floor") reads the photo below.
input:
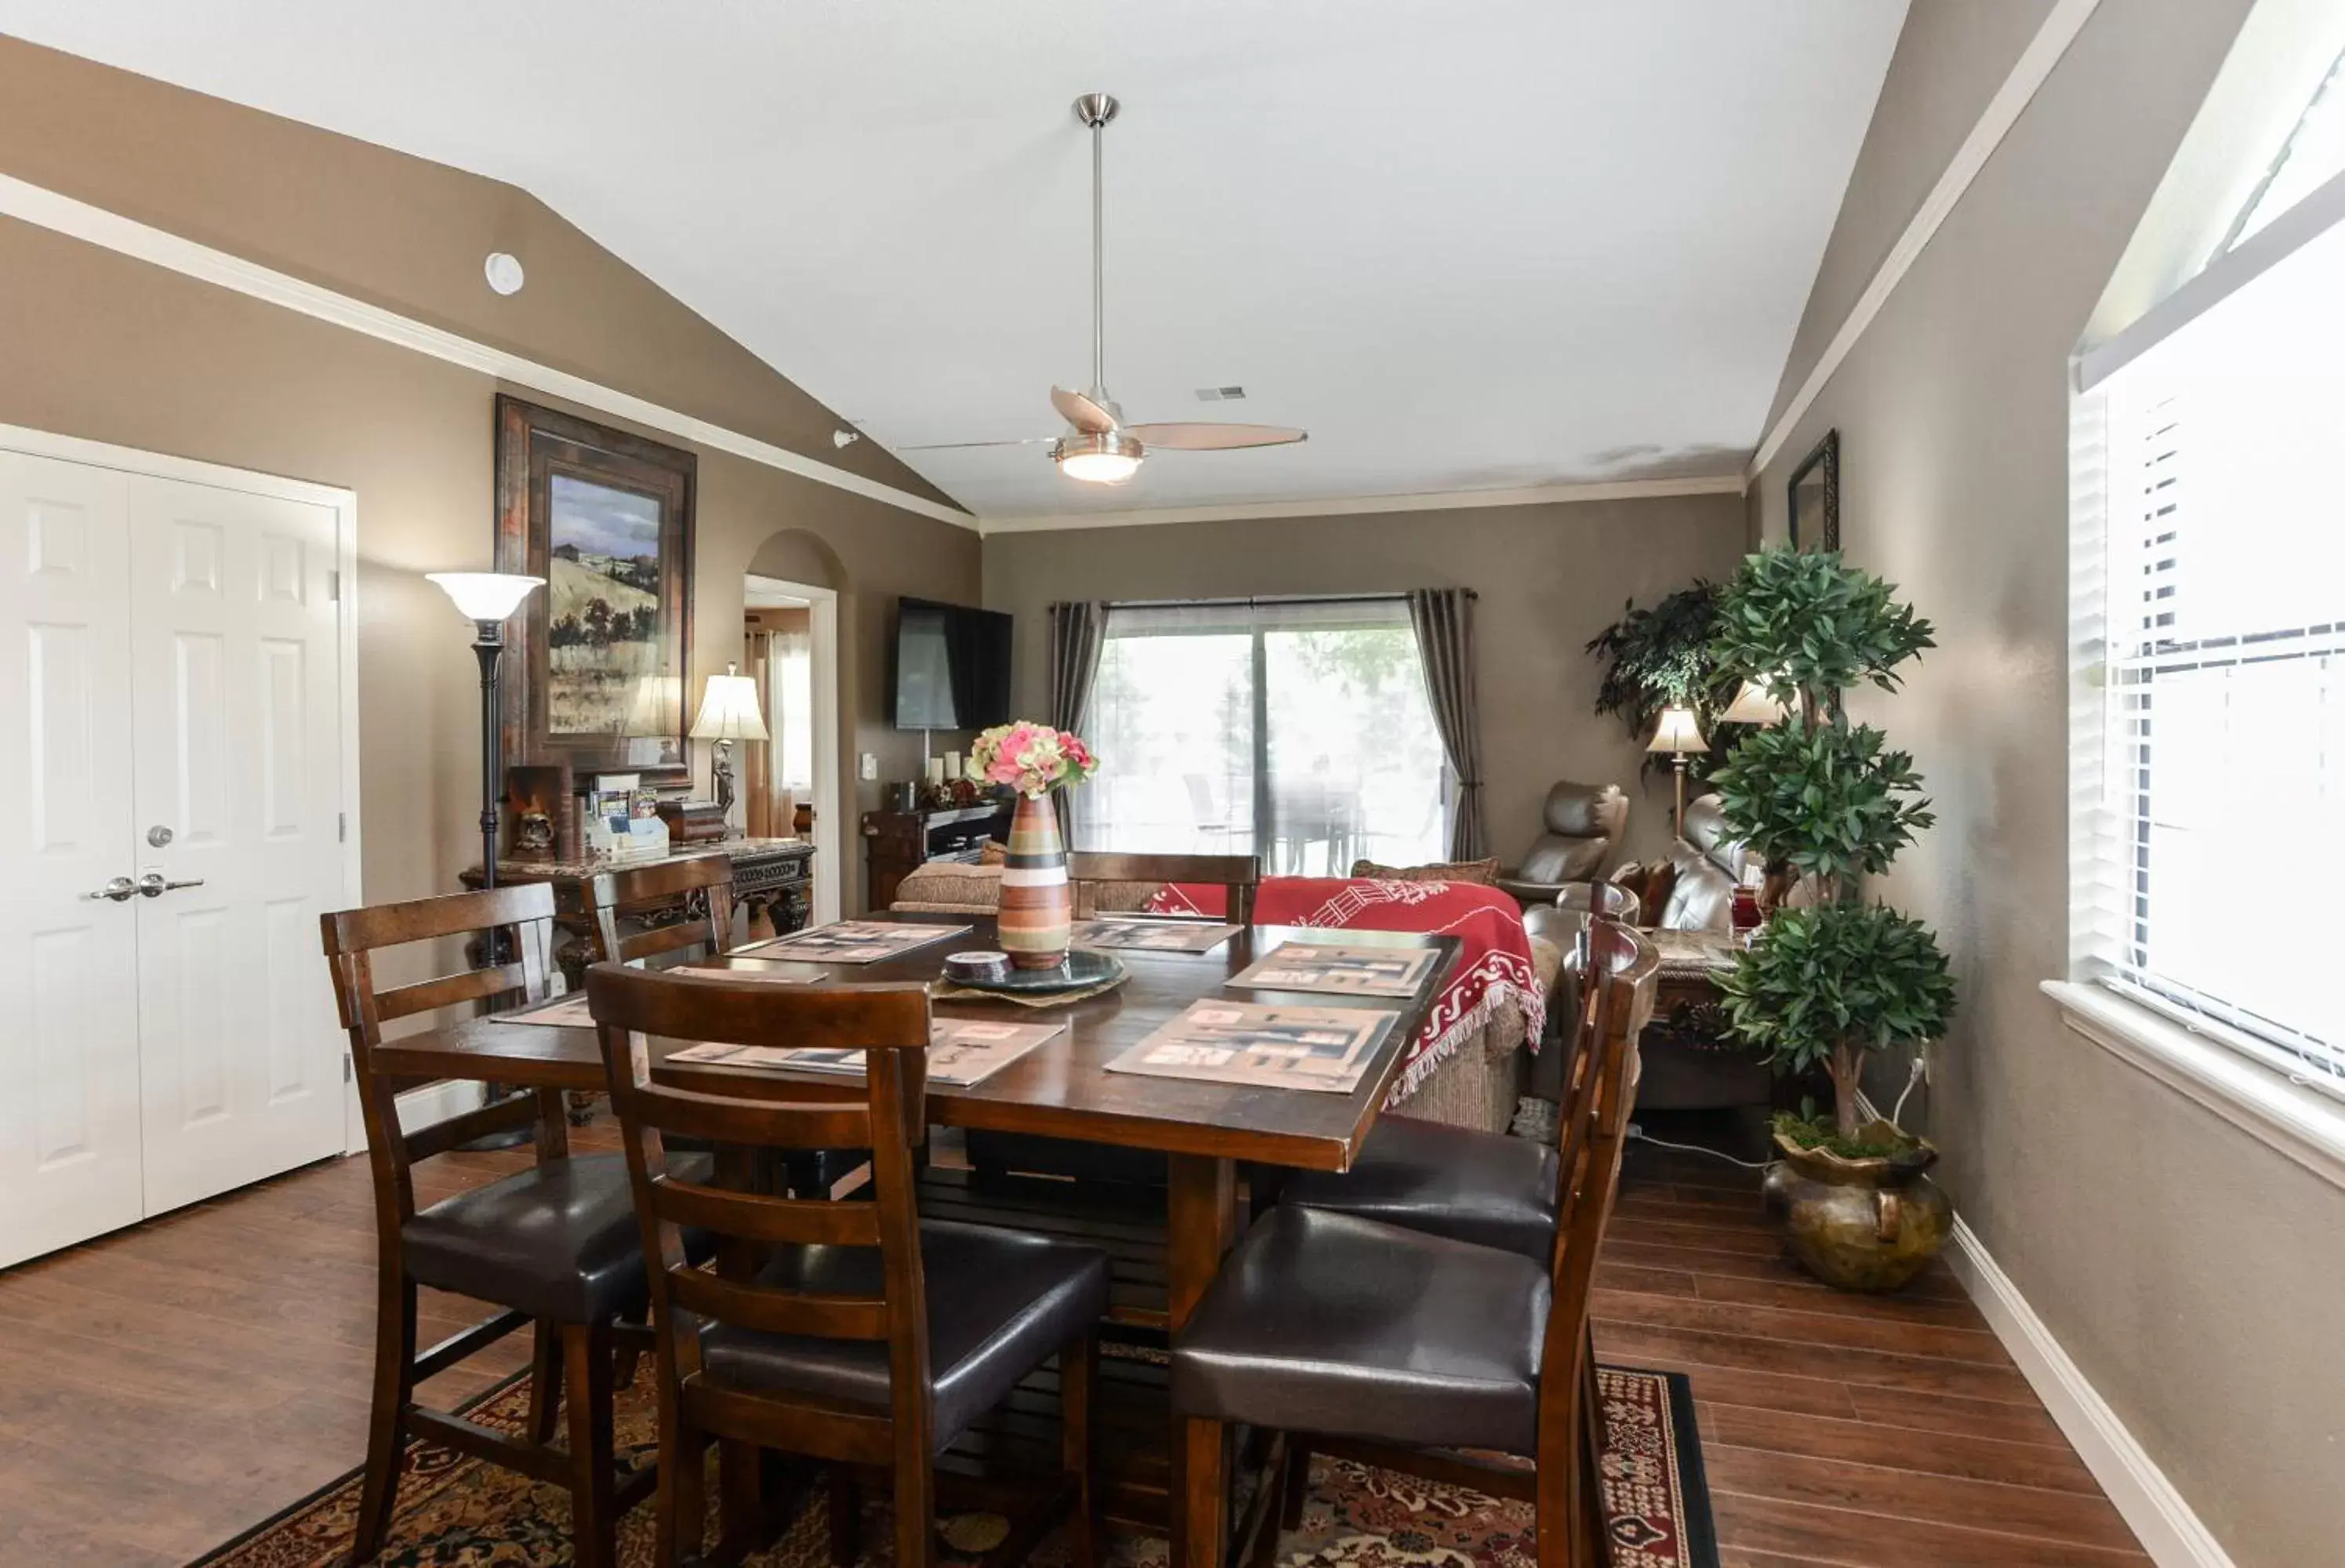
(166, 1387)
(1837, 1429)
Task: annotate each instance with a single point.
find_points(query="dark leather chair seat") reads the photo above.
(1332, 1324)
(557, 1240)
(1478, 1186)
(1000, 1303)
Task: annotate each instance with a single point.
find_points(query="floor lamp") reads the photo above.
(1678, 735)
(487, 600)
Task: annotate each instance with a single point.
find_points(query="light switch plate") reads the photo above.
(868, 765)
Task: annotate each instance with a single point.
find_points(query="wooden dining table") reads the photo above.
(1062, 1089)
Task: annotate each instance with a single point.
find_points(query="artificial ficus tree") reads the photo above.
(1829, 802)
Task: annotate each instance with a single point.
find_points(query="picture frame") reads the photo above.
(1814, 496)
(598, 671)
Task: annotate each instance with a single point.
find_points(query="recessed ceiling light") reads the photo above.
(503, 272)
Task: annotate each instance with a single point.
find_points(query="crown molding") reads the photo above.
(2028, 74)
(1357, 506)
(96, 226)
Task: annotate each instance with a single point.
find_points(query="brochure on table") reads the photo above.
(1323, 1050)
(850, 942)
(1348, 971)
(961, 1052)
(1151, 936)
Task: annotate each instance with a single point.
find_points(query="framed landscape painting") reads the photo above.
(598, 670)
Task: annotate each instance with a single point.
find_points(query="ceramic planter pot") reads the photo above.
(1037, 907)
(1859, 1224)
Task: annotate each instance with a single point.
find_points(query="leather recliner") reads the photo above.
(1584, 824)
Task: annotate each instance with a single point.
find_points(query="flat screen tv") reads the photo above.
(951, 667)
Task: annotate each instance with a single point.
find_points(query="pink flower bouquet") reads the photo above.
(1032, 759)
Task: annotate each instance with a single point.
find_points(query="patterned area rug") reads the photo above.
(457, 1512)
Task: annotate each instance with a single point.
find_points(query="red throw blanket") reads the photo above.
(1493, 971)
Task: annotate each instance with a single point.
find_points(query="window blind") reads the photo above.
(2202, 866)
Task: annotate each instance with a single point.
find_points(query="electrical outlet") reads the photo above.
(867, 767)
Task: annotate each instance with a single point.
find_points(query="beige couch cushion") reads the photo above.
(957, 887)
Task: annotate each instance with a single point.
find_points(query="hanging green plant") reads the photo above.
(1664, 657)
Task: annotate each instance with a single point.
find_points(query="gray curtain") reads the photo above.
(1444, 619)
(1078, 630)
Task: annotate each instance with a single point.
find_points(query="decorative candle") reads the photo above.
(936, 770)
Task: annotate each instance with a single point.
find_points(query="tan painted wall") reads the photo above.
(397, 231)
(1548, 577)
(2191, 1272)
(95, 345)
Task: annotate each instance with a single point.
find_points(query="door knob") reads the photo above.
(120, 889)
(154, 886)
(159, 836)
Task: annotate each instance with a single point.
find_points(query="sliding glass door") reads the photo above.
(1298, 730)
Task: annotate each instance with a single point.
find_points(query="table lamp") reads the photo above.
(728, 712)
(1754, 705)
(1679, 733)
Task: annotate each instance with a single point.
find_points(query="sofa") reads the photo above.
(1475, 1086)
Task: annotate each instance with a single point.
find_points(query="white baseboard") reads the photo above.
(2168, 1529)
(2153, 1510)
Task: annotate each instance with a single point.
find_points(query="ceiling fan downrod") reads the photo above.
(1095, 110)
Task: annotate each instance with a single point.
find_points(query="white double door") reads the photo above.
(170, 779)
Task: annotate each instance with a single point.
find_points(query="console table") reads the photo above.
(773, 879)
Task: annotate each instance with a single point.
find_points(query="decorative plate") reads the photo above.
(1081, 968)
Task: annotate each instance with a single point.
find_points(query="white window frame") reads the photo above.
(2246, 1082)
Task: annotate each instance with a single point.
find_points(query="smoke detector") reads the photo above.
(503, 272)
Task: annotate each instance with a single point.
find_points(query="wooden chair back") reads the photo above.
(1238, 877)
(704, 885)
(518, 920)
(1627, 974)
(889, 1024)
(1624, 974)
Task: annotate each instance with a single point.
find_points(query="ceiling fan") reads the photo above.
(1098, 446)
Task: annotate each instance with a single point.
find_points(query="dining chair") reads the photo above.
(554, 1245)
(703, 886)
(1382, 1344)
(817, 1334)
(1238, 876)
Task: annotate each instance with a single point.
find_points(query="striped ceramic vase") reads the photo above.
(1036, 906)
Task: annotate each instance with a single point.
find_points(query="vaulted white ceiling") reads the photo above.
(1475, 246)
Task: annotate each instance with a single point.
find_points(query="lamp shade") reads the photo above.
(728, 711)
(1753, 706)
(1678, 731)
(485, 595)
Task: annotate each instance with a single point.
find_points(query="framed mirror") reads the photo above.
(1815, 497)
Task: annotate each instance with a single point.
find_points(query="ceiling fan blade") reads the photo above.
(964, 446)
(1198, 436)
(1080, 411)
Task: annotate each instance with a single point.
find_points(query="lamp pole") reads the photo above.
(489, 648)
(488, 599)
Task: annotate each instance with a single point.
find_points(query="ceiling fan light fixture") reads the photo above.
(1101, 457)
